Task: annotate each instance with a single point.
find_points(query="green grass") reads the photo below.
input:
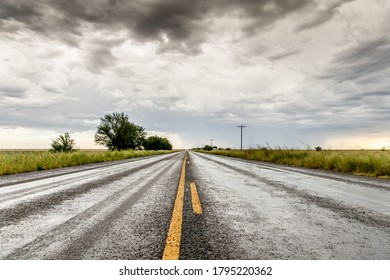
(360, 162)
(12, 162)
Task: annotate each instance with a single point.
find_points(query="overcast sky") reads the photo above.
(297, 73)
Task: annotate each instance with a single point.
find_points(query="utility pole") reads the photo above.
(242, 127)
(212, 142)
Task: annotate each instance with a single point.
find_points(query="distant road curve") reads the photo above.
(190, 205)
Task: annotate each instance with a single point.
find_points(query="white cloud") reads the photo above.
(179, 68)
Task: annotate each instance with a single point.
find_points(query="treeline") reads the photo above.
(117, 133)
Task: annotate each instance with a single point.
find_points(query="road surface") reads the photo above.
(193, 206)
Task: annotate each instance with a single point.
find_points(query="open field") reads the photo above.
(19, 161)
(359, 162)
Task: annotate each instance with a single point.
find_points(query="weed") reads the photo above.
(362, 162)
(26, 161)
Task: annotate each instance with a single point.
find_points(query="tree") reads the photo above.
(157, 143)
(63, 144)
(208, 148)
(116, 132)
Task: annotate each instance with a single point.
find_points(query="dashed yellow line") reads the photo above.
(172, 244)
(196, 206)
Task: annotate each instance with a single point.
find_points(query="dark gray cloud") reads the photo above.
(23, 11)
(185, 23)
(170, 93)
(145, 20)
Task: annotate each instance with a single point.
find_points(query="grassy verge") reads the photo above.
(12, 162)
(362, 162)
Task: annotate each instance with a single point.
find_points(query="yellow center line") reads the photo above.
(172, 244)
(196, 206)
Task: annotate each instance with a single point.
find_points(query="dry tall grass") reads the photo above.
(12, 162)
(360, 162)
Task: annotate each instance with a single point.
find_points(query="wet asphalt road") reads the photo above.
(123, 210)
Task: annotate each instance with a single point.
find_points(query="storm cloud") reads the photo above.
(179, 25)
(297, 69)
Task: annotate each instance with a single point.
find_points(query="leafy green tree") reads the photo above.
(63, 144)
(208, 148)
(116, 132)
(157, 143)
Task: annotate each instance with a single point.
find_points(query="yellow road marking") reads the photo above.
(172, 244)
(196, 206)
